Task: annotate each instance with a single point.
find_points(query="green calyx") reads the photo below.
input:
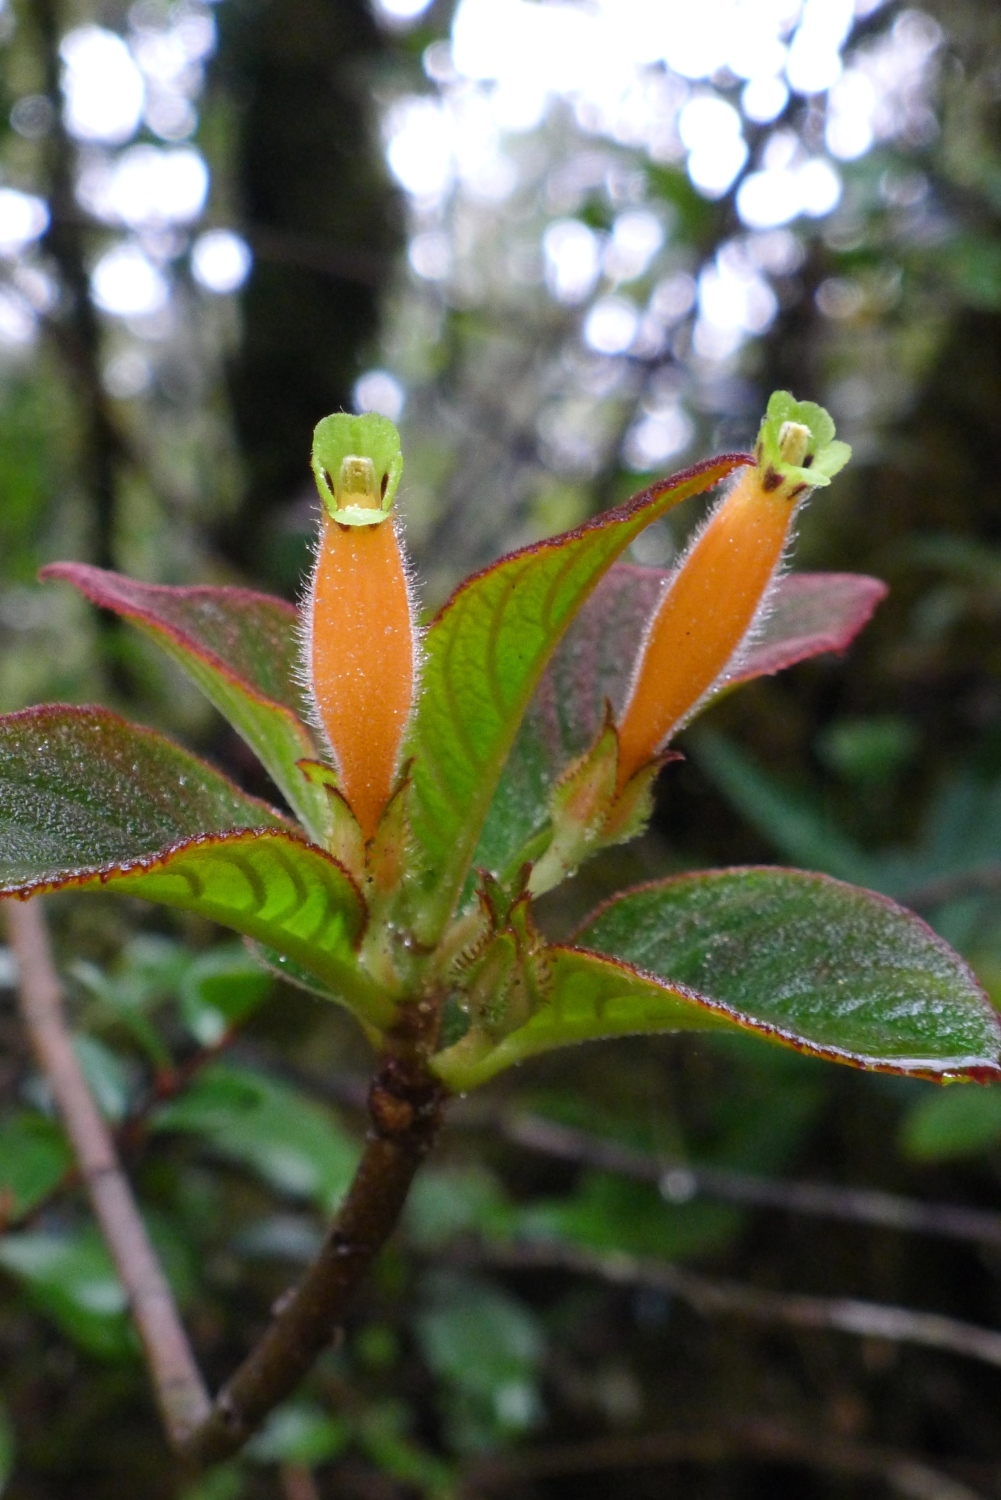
(796, 448)
(357, 465)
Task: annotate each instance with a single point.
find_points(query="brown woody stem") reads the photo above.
(180, 1391)
(405, 1105)
(405, 1108)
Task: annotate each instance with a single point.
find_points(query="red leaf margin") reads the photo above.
(985, 1073)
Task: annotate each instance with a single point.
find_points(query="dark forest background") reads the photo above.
(170, 440)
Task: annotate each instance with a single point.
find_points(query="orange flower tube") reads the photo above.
(711, 602)
(359, 632)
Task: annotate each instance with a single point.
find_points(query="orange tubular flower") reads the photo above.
(712, 600)
(359, 631)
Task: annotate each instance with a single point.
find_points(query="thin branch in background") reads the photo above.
(405, 1109)
(982, 880)
(297, 1483)
(712, 1296)
(679, 1183)
(177, 1382)
(733, 1441)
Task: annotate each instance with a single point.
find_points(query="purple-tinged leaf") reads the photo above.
(88, 800)
(241, 649)
(798, 959)
(809, 613)
(81, 787)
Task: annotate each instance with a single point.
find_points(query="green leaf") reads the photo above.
(80, 788)
(7, 1449)
(483, 656)
(958, 1122)
(293, 1144)
(34, 1158)
(449, 1201)
(87, 800)
(107, 1075)
(808, 614)
(799, 959)
(587, 996)
(242, 650)
(70, 1277)
(225, 1482)
(797, 824)
(613, 1214)
(269, 885)
(300, 1432)
(488, 1348)
(831, 969)
(219, 990)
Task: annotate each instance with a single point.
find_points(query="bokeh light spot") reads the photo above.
(430, 255)
(126, 283)
(610, 326)
(764, 99)
(381, 392)
(573, 260)
(399, 12)
(102, 86)
(220, 261)
(23, 218)
(419, 152)
(655, 438)
(17, 321)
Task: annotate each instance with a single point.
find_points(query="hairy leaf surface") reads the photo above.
(800, 959)
(484, 655)
(88, 800)
(241, 649)
(809, 613)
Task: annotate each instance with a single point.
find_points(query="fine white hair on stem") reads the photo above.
(751, 634)
(303, 675)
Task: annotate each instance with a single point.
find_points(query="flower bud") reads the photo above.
(711, 601)
(359, 631)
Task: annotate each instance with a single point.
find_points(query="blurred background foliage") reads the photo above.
(567, 246)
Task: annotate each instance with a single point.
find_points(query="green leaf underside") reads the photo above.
(800, 959)
(292, 1143)
(70, 1278)
(954, 1123)
(483, 656)
(34, 1158)
(242, 650)
(88, 800)
(808, 614)
(293, 973)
